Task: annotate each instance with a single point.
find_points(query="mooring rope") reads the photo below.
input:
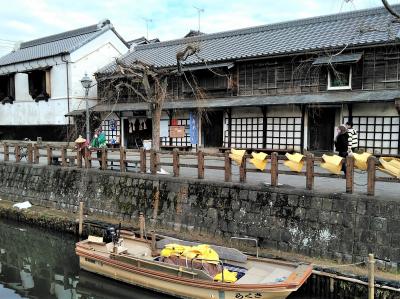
(339, 266)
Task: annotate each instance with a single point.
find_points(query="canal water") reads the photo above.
(39, 264)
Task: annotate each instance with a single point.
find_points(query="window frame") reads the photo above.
(347, 87)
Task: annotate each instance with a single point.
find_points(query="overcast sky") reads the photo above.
(27, 19)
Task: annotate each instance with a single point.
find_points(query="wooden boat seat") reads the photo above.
(225, 253)
(253, 276)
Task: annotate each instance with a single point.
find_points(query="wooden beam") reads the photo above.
(371, 169)
(309, 171)
(264, 128)
(228, 167)
(274, 169)
(349, 174)
(200, 163)
(175, 161)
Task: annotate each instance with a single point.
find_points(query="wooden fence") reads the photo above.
(143, 161)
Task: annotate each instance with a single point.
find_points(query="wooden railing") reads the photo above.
(141, 160)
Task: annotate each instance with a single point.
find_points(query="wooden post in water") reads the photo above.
(200, 163)
(103, 159)
(274, 169)
(49, 152)
(175, 162)
(371, 276)
(80, 228)
(309, 171)
(142, 160)
(17, 150)
(29, 150)
(228, 168)
(242, 170)
(36, 155)
(141, 225)
(349, 174)
(6, 152)
(122, 159)
(371, 168)
(63, 156)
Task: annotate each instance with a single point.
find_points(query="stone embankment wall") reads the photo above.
(336, 226)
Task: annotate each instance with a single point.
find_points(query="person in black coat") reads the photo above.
(342, 144)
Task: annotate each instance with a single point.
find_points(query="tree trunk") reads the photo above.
(156, 114)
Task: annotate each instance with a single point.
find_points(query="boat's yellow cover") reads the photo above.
(360, 160)
(336, 169)
(237, 155)
(293, 165)
(335, 159)
(202, 251)
(259, 160)
(390, 165)
(296, 157)
(228, 276)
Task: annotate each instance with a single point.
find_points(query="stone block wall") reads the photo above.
(336, 226)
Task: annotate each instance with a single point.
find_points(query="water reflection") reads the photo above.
(38, 264)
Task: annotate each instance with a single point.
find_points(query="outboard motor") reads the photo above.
(110, 234)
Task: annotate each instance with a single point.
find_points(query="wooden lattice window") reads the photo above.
(185, 141)
(377, 134)
(284, 133)
(246, 132)
(112, 130)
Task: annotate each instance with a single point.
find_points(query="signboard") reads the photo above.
(193, 124)
(177, 131)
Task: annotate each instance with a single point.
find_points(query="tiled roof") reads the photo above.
(370, 26)
(53, 45)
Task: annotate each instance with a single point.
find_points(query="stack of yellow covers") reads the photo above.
(259, 160)
(332, 163)
(237, 155)
(294, 162)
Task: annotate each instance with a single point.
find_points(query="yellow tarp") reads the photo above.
(259, 160)
(360, 160)
(332, 163)
(390, 165)
(202, 251)
(237, 156)
(294, 162)
(228, 276)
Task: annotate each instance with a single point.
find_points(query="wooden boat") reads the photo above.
(137, 261)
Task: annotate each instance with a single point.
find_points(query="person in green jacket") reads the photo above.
(99, 141)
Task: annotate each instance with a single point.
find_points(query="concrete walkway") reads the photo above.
(383, 190)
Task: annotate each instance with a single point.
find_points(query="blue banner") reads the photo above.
(193, 124)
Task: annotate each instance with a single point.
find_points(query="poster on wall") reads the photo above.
(193, 125)
(164, 128)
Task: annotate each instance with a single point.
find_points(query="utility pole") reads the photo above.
(199, 11)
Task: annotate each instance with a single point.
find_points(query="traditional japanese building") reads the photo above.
(40, 81)
(280, 86)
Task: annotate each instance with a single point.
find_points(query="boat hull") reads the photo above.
(175, 288)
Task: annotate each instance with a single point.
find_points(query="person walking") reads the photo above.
(342, 144)
(353, 136)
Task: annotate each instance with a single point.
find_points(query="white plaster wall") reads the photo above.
(374, 109)
(22, 88)
(58, 82)
(32, 113)
(90, 58)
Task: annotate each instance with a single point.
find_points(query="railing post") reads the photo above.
(309, 171)
(88, 158)
(142, 160)
(371, 168)
(6, 152)
(200, 163)
(63, 156)
(79, 157)
(349, 174)
(371, 276)
(242, 169)
(228, 168)
(36, 154)
(80, 227)
(17, 150)
(175, 161)
(49, 153)
(122, 159)
(29, 149)
(153, 161)
(103, 159)
(274, 169)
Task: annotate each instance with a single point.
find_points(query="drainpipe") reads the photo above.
(67, 71)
